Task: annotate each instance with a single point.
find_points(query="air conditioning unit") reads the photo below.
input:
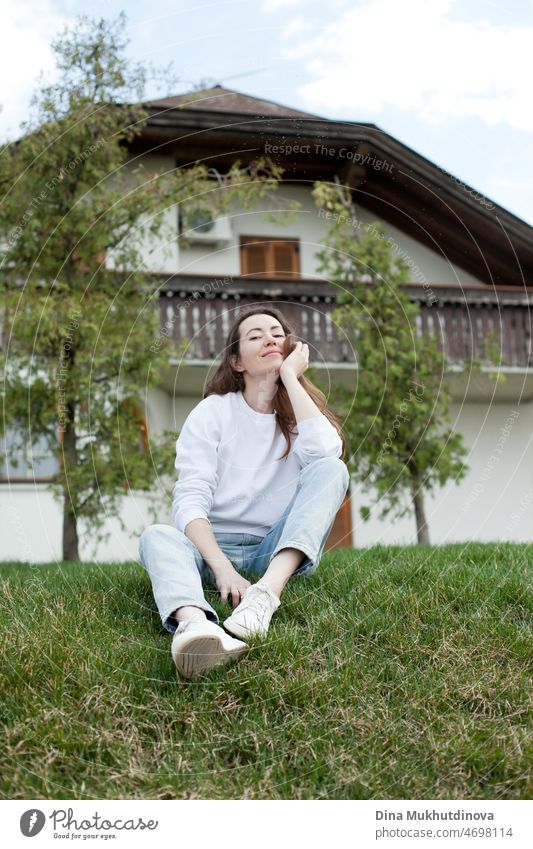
(207, 231)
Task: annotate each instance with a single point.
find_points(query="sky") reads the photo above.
(449, 78)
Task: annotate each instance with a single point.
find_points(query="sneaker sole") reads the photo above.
(201, 653)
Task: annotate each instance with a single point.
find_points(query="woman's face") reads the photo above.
(262, 345)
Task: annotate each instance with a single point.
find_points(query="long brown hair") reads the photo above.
(226, 379)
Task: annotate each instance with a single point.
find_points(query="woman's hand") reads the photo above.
(230, 583)
(297, 361)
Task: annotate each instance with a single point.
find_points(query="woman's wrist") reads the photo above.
(220, 565)
(288, 376)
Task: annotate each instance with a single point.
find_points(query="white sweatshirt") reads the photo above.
(228, 467)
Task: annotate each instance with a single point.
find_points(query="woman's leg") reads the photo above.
(175, 567)
(281, 568)
(293, 546)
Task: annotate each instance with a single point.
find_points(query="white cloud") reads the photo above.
(275, 5)
(27, 30)
(414, 56)
(296, 26)
(514, 193)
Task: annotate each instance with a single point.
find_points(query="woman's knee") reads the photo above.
(335, 468)
(343, 472)
(156, 533)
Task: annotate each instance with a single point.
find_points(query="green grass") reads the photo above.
(392, 673)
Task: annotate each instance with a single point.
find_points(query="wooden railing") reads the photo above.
(202, 310)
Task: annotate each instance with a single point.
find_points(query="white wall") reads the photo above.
(494, 502)
(31, 526)
(310, 226)
(157, 410)
(158, 255)
(31, 519)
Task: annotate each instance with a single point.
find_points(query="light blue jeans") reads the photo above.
(177, 569)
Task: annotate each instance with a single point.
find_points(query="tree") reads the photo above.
(81, 328)
(396, 425)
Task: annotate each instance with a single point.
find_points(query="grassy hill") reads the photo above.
(392, 673)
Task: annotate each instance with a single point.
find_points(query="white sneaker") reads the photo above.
(198, 646)
(252, 616)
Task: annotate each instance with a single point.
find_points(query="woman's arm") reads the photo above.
(291, 369)
(199, 532)
(303, 405)
(228, 581)
(316, 435)
(196, 464)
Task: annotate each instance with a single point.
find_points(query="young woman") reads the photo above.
(260, 480)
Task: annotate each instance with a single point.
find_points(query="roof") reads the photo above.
(389, 179)
(220, 99)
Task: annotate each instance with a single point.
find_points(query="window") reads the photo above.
(32, 456)
(33, 460)
(262, 257)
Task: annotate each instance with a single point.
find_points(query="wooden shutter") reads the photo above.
(276, 258)
(254, 258)
(285, 258)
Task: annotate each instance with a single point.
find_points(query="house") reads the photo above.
(471, 263)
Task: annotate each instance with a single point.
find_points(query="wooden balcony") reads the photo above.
(202, 310)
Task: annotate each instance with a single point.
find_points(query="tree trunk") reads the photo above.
(422, 530)
(70, 530)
